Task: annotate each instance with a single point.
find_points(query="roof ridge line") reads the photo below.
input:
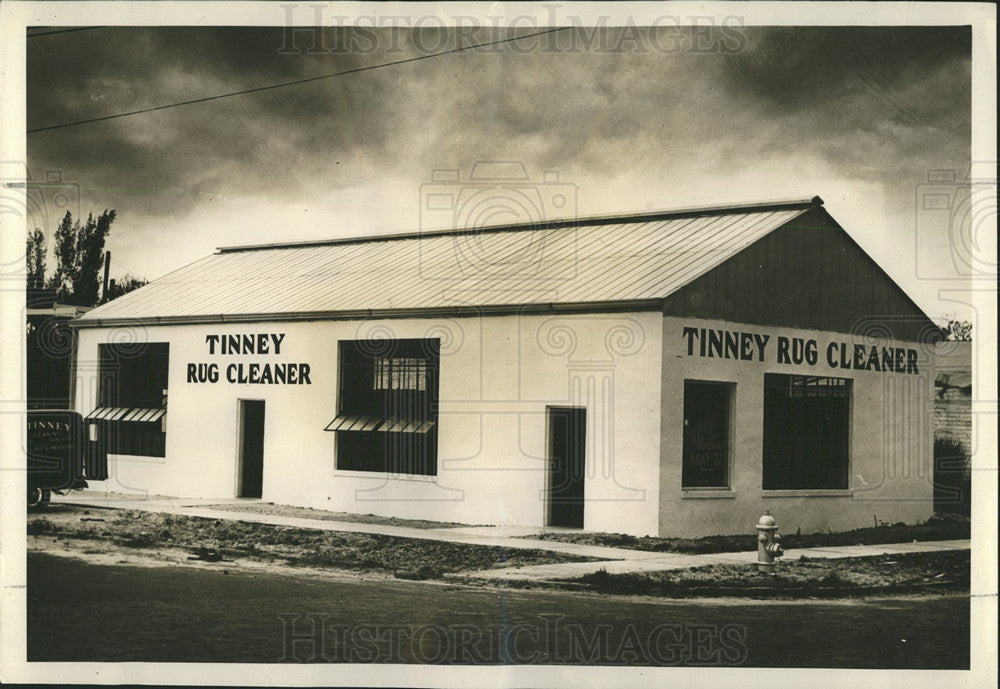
(800, 204)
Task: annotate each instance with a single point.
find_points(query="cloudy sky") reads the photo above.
(637, 121)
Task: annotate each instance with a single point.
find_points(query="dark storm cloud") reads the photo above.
(879, 103)
(796, 67)
(868, 101)
(242, 144)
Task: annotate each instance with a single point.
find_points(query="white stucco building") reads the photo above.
(673, 373)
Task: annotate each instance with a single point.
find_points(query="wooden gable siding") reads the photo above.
(808, 274)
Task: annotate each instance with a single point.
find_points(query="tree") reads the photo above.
(956, 330)
(90, 257)
(35, 254)
(65, 255)
(79, 252)
(126, 284)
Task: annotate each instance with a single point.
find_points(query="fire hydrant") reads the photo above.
(768, 545)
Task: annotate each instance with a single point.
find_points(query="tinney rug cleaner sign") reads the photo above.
(746, 346)
(243, 372)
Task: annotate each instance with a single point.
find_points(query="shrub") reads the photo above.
(40, 526)
(952, 477)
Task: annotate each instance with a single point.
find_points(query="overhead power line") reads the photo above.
(55, 31)
(292, 83)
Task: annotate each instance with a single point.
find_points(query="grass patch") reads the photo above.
(940, 527)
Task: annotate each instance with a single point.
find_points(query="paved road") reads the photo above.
(78, 611)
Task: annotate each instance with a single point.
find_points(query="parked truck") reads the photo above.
(63, 452)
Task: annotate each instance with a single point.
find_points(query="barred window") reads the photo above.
(386, 406)
(806, 432)
(132, 398)
(399, 373)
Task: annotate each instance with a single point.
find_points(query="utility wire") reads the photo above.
(292, 83)
(55, 31)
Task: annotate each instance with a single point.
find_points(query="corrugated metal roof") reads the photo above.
(606, 260)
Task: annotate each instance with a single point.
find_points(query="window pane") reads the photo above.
(706, 435)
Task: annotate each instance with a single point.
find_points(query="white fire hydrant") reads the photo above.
(768, 543)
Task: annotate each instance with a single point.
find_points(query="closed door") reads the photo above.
(567, 465)
(251, 481)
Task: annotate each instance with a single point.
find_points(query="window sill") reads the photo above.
(138, 458)
(809, 493)
(707, 493)
(384, 476)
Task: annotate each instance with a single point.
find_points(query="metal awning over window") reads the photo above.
(132, 414)
(356, 422)
(394, 425)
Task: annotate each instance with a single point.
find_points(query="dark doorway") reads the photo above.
(567, 465)
(251, 482)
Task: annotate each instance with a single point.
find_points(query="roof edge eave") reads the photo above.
(729, 209)
(373, 314)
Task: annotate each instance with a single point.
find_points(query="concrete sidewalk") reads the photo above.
(652, 562)
(612, 560)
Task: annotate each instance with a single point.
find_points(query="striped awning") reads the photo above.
(355, 422)
(138, 414)
(363, 422)
(395, 425)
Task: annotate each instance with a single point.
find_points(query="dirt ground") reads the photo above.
(929, 572)
(149, 536)
(116, 537)
(938, 528)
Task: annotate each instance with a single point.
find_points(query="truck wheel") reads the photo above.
(34, 497)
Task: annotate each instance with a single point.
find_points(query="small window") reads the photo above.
(387, 406)
(806, 432)
(706, 434)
